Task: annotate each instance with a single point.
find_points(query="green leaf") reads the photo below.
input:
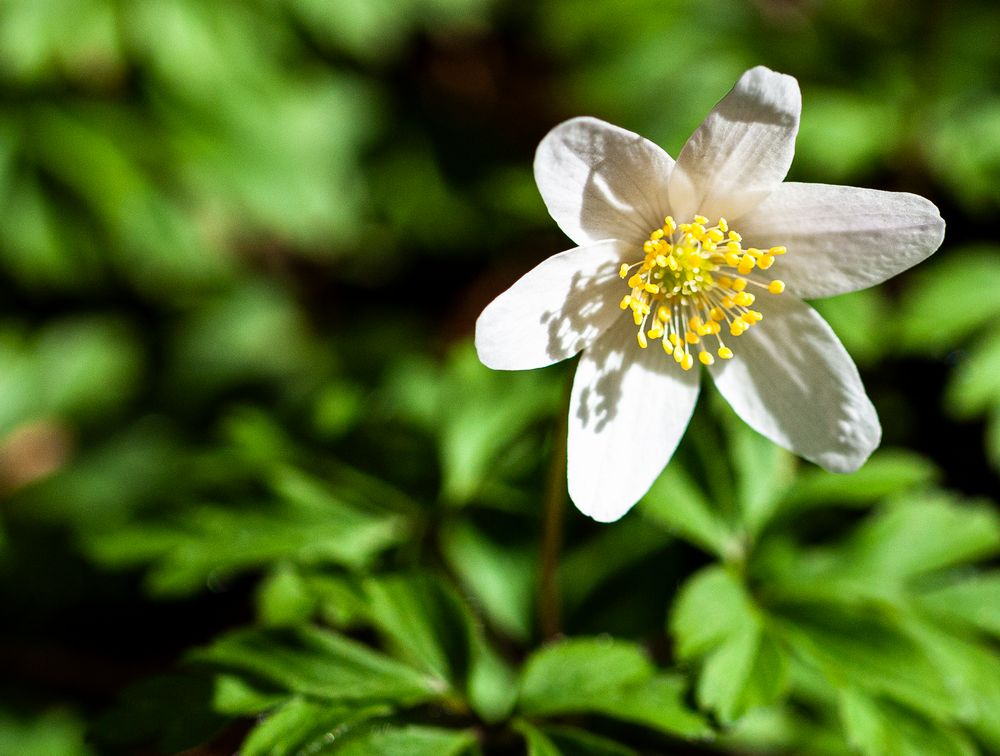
(567, 741)
(678, 504)
(304, 726)
(711, 606)
(577, 674)
(321, 664)
(500, 577)
(975, 386)
(658, 702)
(889, 471)
(612, 549)
(55, 733)
(425, 624)
(475, 413)
(920, 536)
(943, 285)
(744, 666)
(283, 598)
(612, 678)
(876, 728)
(762, 472)
(859, 648)
(972, 602)
(411, 740)
(236, 696)
(492, 685)
(859, 320)
(215, 542)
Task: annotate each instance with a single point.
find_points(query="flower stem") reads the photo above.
(555, 499)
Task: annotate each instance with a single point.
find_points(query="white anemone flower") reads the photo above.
(674, 270)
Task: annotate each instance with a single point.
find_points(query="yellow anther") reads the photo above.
(680, 280)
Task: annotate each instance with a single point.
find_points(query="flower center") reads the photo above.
(692, 281)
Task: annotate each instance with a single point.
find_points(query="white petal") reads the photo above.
(792, 381)
(842, 238)
(741, 151)
(628, 410)
(602, 182)
(556, 309)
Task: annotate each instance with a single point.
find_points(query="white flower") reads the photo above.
(675, 266)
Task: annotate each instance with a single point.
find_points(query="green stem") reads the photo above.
(554, 507)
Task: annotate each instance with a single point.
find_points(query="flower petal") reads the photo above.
(842, 238)
(628, 410)
(554, 310)
(792, 381)
(741, 151)
(602, 182)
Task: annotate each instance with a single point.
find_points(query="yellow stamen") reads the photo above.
(689, 281)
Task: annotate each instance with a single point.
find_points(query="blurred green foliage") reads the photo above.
(257, 494)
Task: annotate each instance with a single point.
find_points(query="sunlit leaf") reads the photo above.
(304, 726)
(410, 740)
(613, 678)
(320, 664)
